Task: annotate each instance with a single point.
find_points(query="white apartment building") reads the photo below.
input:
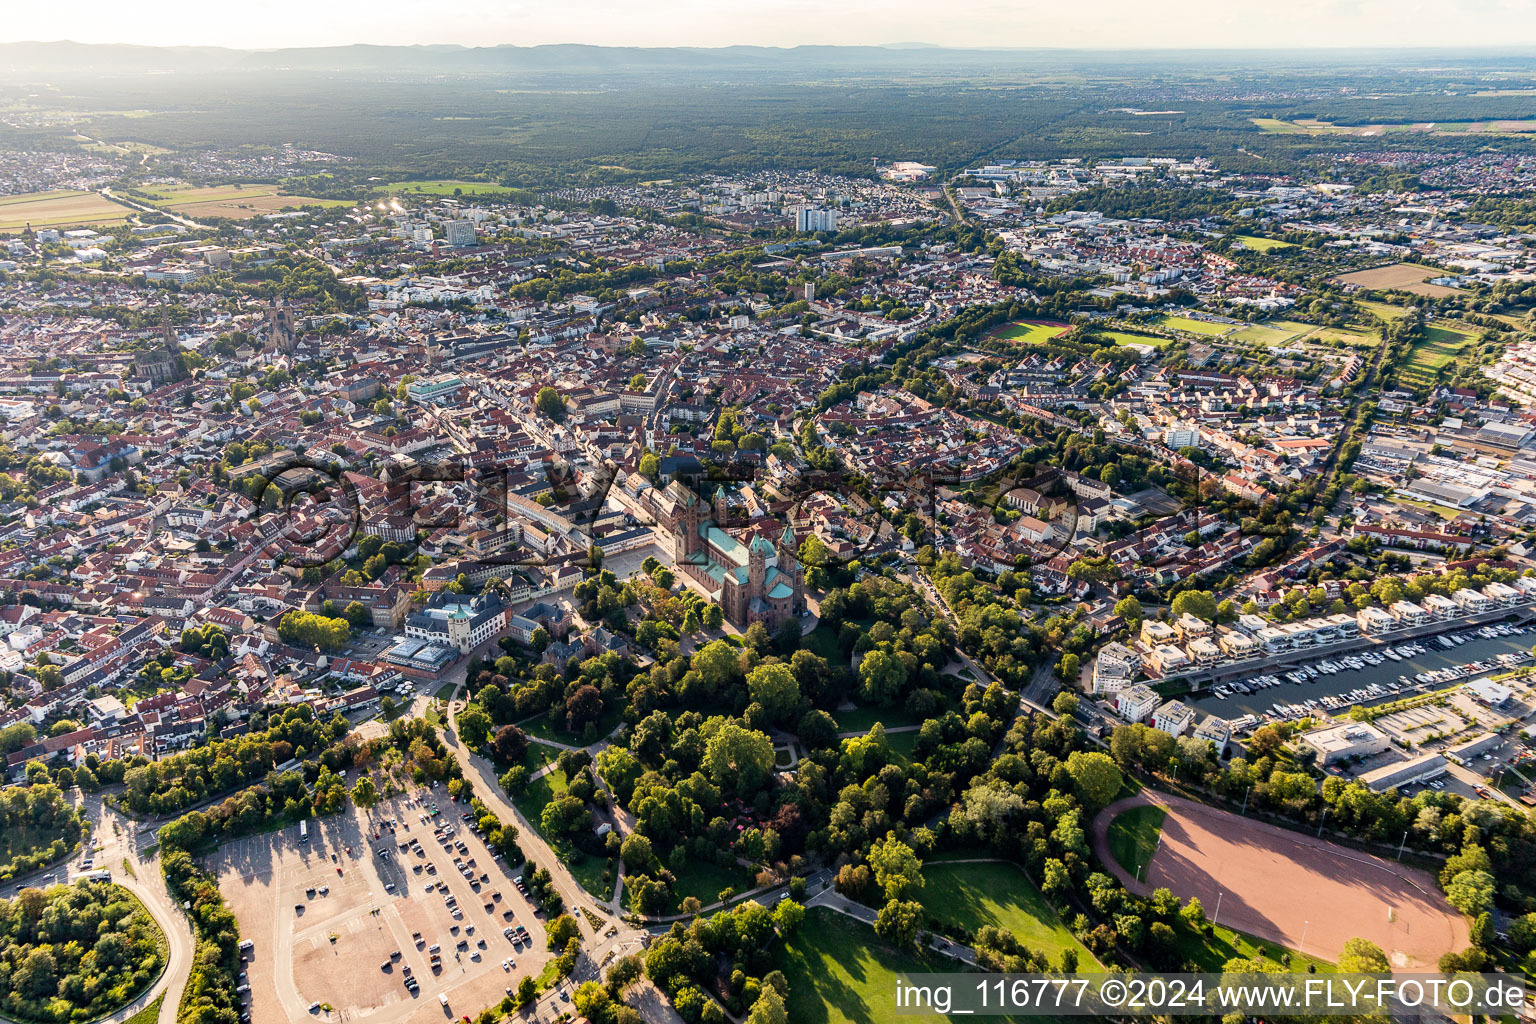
(1375, 620)
(1441, 607)
(1182, 435)
(1471, 600)
(1204, 651)
(1174, 718)
(1238, 645)
(809, 218)
(1135, 703)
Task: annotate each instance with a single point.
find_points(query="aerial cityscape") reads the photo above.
(599, 533)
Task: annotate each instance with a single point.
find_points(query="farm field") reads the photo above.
(444, 187)
(1031, 332)
(1257, 870)
(1258, 244)
(64, 208)
(238, 202)
(1440, 347)
(1408, 277)
(1190, 325)
(1309, 126)
(973, 895)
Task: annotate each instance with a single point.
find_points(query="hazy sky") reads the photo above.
(1085, 23)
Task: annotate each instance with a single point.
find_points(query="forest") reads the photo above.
(37, 827)
(518, 120)
(74, 952)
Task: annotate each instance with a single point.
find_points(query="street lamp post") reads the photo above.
(1324, 821)
(1216, 918)
(1303, 947)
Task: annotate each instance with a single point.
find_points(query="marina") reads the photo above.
(1333, 684)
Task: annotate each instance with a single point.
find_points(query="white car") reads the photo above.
(506, 965)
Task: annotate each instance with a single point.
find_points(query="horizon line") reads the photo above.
(1510, 49)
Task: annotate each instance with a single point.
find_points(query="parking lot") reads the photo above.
(327, 928)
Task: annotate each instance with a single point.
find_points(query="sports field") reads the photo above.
(64, 208)
(1260, 334)
(1032, 332)
(1287, 887)
(1134, 835)
(238, 202)
(1189, 325)
(1258, 244)
(1408, 277)
(1132, 338)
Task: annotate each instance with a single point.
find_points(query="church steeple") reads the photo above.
(789, 556)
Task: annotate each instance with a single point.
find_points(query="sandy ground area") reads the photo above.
(331, 951)
(1290, 888)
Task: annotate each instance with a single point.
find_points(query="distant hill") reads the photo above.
(577, 59)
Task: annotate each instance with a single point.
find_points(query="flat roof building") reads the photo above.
(1403, 773)
(1342, 742)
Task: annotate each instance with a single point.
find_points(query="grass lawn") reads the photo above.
(1443, 511)
(1192, 326)
(1031, 332)
(1360, 337)
(1258, 244)
(445, 691)
(588, 870)
(839, 972)
(1258, 334)
(539, 792)
(150, 1013)
(971, 896)
(1277, 126)
(822, 641)
(861, 719)
(539, 727)
(442, 187)
(1384, 310)
(1132, 338)
(1133, 837)
(27, 838)
(703, 880)
(1211, 954)
(902, 744)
